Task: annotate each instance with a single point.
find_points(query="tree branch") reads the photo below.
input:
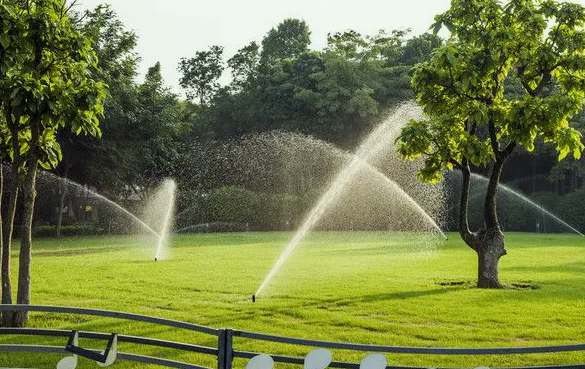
(455, 163)
(464, 230)
(509, 149)
(494, 139)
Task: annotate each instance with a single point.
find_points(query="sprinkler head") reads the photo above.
(253, 298)
(155, 259)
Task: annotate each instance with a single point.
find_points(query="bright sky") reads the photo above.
(171, 29)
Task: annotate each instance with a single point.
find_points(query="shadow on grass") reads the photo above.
(74, 252)
(390, 296)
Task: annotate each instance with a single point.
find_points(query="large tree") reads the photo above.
(89, 160)
(201, 73)
(509, 75)
(244, 66)
(48, 84)
(288, 40)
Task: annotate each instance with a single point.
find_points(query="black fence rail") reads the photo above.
(225, 352)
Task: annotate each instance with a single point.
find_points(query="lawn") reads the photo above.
(365, 287)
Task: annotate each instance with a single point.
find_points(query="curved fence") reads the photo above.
(224, 351)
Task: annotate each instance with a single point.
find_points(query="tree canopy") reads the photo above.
(508, 76)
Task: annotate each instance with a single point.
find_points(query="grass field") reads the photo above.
(355, 287)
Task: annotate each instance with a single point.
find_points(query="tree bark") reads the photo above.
(8, 230)
(490, 207)
(468, 237)
(491, 245)
(1, 195)
(63, 193)
(8, 225)
(29, 194)
(489, 242)
(7, 317)
(60, 212)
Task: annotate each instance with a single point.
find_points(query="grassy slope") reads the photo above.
(358, 287)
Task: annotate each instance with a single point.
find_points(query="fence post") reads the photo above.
(225, 349)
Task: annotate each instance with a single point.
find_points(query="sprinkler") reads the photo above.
(155, 259)
(253, 298)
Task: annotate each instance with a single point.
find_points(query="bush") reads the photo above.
(232, 204)
(68, 230)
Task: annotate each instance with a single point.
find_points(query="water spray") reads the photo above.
(370, 148)
(169, 187)
(531, 203)
(103, 198)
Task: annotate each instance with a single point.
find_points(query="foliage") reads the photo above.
(232, 204)
(336, 93)
(68, 230)
(141, 121)
(200, 74)
(244, 66)
(289, 40)
(462, 89)
(46, 78)
(48, 83)
(103, 161)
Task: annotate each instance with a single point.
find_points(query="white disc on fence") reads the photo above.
(112, 354)
(374, 361)
(69, 362)
(318, 359)
(261, 361)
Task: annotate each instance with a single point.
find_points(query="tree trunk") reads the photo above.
(60, 213)
(8, 225)
(489, 243)
(1, 195)
(24, 259)
(467, 236)
(62, 194)
(8, 230)
(490, 247)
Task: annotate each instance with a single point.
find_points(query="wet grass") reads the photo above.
(364, 287)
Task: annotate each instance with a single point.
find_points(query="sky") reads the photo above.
(171, 29)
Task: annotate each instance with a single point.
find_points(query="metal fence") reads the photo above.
(225, 352)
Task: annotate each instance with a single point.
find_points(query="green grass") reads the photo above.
(355, 287)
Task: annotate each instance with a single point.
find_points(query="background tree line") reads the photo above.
(336, 94)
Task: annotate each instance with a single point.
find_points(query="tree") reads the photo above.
(10, 132)
(47, 85)
(419, 48)
(201, 74)
(472, 120)
(88, 159)
(244, 66)
(158, 121)
(336, 93)
(350, 45)
(289, 39)
(3, 149)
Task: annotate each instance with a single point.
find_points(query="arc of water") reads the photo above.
(531, 203)
(323, 205)
(383, 135)
(170, 187)
(112, 203)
